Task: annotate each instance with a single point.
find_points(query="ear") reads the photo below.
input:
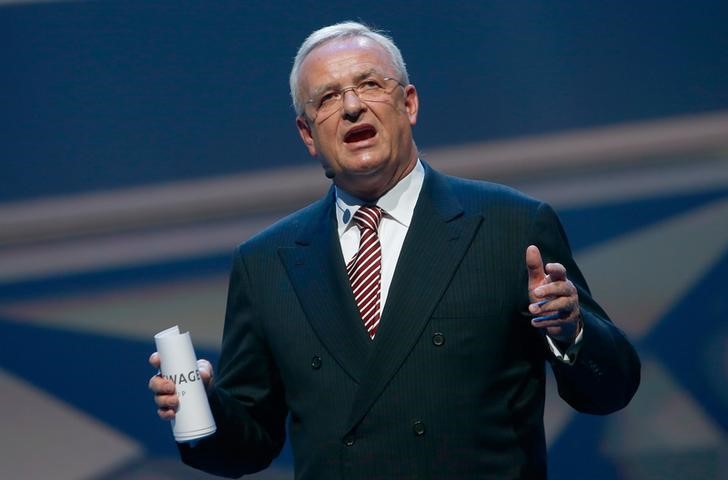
(411, 103)
(305, 131)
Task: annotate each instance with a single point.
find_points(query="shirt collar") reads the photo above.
(398, 203)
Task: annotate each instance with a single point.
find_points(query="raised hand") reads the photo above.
(554, 299)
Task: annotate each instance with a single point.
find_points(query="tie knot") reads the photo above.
(367, 217)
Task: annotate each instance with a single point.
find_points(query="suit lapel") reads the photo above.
(438, 238)
(316, 269)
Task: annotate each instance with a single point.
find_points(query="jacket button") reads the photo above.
(316, 362)
(438, 339)
(419, 428)
(349, 440)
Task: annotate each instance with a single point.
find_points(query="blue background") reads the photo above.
(99, 96)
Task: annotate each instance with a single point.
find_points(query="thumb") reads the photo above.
(536, 273)
(206, 372)
(154, 360)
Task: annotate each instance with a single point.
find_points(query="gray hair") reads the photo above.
(340, 31)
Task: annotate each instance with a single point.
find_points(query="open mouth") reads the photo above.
(360, 133)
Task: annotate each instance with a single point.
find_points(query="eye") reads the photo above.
(328, 98)
(369, 84)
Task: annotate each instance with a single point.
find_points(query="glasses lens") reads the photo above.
(328, 104)
(377, 90)
(370, 90)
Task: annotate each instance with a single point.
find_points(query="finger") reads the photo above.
(555, 289)
(553, 304)
(205, 367)
(537, 307)
(206, 371)
(555, 319)
(161, 386)
(154, 360)
(534, 263)
(563, 313)
(543, 318)
(556, 272)
(155, 383)
(166, 413)
(167, 401)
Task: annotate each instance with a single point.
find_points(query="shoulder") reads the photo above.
(479, 195)
(289, 229)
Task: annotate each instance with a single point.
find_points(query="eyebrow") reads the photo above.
(357, 78)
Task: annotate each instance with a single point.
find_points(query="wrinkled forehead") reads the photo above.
(342, 60)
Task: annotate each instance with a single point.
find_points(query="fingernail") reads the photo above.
(538, 291)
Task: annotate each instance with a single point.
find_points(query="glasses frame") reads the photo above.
(341, 92)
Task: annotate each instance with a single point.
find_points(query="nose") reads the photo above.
(352, 104)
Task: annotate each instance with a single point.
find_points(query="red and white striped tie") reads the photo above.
(365, 269)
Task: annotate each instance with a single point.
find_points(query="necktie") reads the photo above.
(365, 269)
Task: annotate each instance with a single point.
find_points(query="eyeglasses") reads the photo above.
(371, 89)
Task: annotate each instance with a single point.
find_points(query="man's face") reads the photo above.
(368, 146)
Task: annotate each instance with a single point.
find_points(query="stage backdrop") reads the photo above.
(142, 140)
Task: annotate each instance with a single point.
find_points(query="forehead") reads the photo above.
(339, 60)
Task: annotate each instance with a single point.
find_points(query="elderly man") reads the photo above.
(403, 321)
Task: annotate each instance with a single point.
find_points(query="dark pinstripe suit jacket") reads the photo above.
(453, 384)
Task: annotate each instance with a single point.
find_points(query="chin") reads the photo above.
(368, 165)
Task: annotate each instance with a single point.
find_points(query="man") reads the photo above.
(403, 320)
